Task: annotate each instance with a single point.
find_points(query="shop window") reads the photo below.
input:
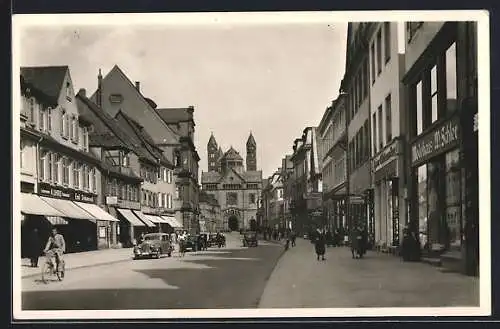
(388, 119)
(453, 227)
(420, 118)
(422, 203)
(387, 41)
(451, 79)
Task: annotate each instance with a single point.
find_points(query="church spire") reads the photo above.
(251, 140)
(212, 151)
(251, 153)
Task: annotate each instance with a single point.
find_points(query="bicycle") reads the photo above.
(49, 267)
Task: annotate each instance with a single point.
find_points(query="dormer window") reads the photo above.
(125, 161)
(115, 98)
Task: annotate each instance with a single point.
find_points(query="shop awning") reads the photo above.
(129, 215)
(56, 220)
(68, 208)
(143, 218)
(96, 211)
(155, 219)
(172, 221)
(32, 204)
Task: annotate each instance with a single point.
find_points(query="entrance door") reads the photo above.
(233, 223)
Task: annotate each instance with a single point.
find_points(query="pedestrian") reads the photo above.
(182, 243)
(355, 240)
(410, 246)
(293, 237)
(34, 247)
(319, 245)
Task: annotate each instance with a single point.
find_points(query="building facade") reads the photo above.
(333, 145)
(118, 96)
(65, 173)
(237, 190)
(387, 112)
(441, 87)
(210, 218)
(306, 199)
(356, 84)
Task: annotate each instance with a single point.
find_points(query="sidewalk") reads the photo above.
(378, 280)
(81, 259)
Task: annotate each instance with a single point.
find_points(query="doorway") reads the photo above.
(233, 223)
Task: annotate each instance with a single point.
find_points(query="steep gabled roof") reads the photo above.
(47, 79)
(107, 140)
(146, 140)
(208, 177)
(232, 154)
(252, 176)
(174, 115)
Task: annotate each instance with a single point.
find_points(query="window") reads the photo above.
(380, 128)
(94, 178)
(177, 192)
(453, 197)
(420, 119)
(41, 119)
(21, 153)
(57, 168)
(32, 110)
(252, 198)
(451, 79)
(367, 140)
(169, 201)
(374, 132)
(379, 51)
(231, 198)
(366, 79)
(50, 167)
(388, 118)
(434, 94)
(361, 145)
(66, 169)
(74, 129)
(61, 122)
(76, 175)
(125, 161)
(85, 140)
(41, 164)
(373, 61)
(387, 41)
(67, 125)
(49, 119)
(160, 199)
(159, 171)
(68, 91)
(85, 174)
(169, 176)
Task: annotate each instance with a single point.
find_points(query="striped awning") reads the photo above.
(56, 220)
(172, 221)
(155, 219)
(130, 217)
(96, 211)
(69, 209)
(32, 204)
(144, 219)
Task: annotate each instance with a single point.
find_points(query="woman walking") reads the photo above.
(319, 246)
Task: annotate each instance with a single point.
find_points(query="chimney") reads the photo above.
(82, 92)
(99, 89)
(138, 86)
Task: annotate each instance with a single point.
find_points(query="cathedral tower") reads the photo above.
(213, 154)
(251, 153)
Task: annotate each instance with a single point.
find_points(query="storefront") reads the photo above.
(437, 190)
(334, 209)
(387, 168)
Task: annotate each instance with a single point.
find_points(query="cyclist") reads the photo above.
(57, 245)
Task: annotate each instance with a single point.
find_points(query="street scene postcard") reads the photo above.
(249, 165)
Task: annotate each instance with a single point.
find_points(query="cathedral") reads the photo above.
(236, 189)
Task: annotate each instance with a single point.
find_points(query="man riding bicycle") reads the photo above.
(57, 246)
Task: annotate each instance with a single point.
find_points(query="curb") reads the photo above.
(82, 266)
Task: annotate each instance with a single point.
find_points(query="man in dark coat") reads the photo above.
(319, 246)
(34, 248)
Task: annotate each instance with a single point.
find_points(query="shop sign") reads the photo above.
(111, 200)
(78, 196)
(354, 199)
(59, 192)
(387, 155)
(438, 140)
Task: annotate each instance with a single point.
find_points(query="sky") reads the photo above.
(270, 79)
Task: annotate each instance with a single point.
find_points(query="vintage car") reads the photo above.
(250, 239)
(212, 240)
(191, 243)
(154, 245)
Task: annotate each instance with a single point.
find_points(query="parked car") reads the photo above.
(154, 245)
(192, 243)
(212, 240)
(250, 239)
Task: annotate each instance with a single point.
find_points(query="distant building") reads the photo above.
(210, 218)
(237, 190)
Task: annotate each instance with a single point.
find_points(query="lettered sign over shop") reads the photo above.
(438, 140)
